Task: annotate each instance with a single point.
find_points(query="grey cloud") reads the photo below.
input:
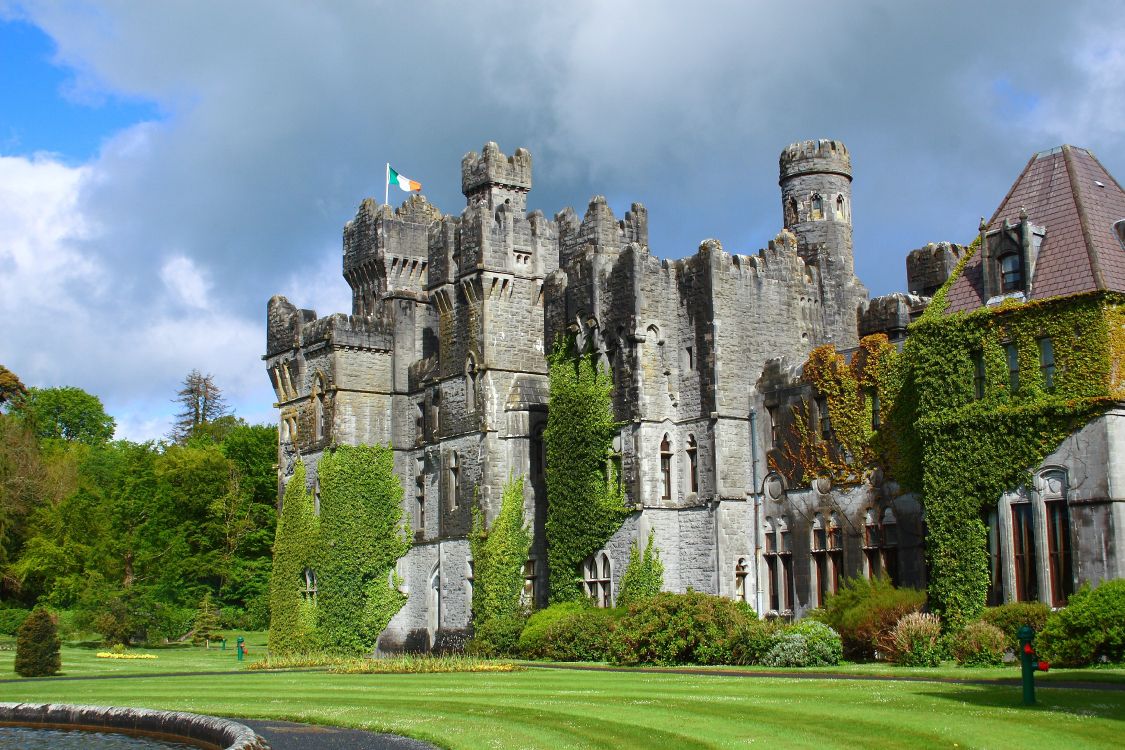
(278, 118)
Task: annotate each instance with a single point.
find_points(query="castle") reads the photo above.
(443, 358)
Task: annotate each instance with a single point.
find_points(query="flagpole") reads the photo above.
(387, 186)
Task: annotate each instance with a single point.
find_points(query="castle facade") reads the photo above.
(443, 357)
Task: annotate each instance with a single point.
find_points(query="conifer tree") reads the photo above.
(206, 622)
(37, 645)
(201, 403)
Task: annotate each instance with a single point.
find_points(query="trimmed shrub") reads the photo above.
(1014, 615)
(824, 644)
(864, 612)
(37, 645)
(498, 636)
(11, 618)
(571, 631)
(807, 643)
(754, 640)
(979, 644)
(915, 641)
(1090, 629)
(691, 628)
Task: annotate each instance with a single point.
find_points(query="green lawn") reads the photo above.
(547, 708)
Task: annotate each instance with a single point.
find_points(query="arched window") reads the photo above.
(666, 468)
(1023, 550)
(597, 579)
(308, 586)
(817, 210)
(791, 211)
(1057, 512)
(693, 464)
(890, 544)
(820, 558)
(741, 568)
(835, 553)
(840, 207)
(470, 384)
(319, 412)
(772, 556)
(419, 495)
(1011, 273)
(454, 482)
(872, 562)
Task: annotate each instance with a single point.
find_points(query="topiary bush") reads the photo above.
(915, 641)
(865, 611)
(691, 628)
(571, 631)
(1089, 630)
(979, 644)
(1014, 615)
(37, 645)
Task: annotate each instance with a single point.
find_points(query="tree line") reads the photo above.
(126, 539)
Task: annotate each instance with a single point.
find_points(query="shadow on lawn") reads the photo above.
(1087, 702)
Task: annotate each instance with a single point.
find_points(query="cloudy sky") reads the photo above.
(165, 167)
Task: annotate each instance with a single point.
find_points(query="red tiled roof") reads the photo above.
(1060, 191)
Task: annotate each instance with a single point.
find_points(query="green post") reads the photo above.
(224, 646)
(1030, 663)
(241, 649)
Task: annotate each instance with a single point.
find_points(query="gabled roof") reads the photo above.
(1067, 191)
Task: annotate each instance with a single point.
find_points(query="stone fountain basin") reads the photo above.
(208, 732)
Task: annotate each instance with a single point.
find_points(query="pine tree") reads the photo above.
(206, 622)
(202, 402)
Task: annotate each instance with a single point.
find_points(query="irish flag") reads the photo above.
(394, 178)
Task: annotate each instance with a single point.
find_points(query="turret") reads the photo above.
(494, 179)
(816, 200)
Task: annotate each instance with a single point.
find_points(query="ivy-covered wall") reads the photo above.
(352, 546)
(585, 504)
(292, 616)
(499, 553)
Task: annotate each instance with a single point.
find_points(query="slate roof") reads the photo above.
(1060, 190)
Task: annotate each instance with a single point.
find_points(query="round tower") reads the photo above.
(816, 201)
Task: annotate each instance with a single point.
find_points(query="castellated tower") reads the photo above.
(816, 198)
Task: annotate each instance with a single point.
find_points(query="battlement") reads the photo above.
(815, 157)
(891, 314)
(927, 268)
(493, 168)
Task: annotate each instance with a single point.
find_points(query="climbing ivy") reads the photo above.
(851, 391)
(499, 553)
(292, 617)
(644, 574)
(585, 504)
(360, 522)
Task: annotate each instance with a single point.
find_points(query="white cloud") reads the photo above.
(186, 282)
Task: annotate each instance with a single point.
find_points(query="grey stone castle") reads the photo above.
(443, 358)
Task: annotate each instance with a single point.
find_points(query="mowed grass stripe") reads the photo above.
(556, 709)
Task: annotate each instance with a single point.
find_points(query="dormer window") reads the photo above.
(1011, 273)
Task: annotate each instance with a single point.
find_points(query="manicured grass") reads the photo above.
(546, 708)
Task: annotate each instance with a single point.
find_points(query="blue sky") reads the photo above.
(167, 167)
(45, 110)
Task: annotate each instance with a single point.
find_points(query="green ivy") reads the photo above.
(644, 574)
(962, 453)
(499, 554)
(361, 524)
(585, 504)
(292, 618)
